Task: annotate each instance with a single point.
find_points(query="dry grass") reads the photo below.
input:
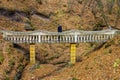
(97, 65)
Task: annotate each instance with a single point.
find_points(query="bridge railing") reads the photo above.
(72, 36)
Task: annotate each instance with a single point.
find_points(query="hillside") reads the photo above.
(95, 61)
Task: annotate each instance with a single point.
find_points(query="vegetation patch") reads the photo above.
(116, 63)
(74, 78)
(1, 58)
(11, 63)
(39, 1)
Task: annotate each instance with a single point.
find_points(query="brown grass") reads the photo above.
(96, 65)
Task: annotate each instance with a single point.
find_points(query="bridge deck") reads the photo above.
(72, 36)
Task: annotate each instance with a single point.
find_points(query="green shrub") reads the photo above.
(11, 63)
(108, 51)
(1, 58)
(98, 26)
(116, 63)
(39, 1)
(74, 78)
(7, 78)
(9, 50)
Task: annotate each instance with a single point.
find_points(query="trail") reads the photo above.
(22, 66)
(61, 67)
(15, 15)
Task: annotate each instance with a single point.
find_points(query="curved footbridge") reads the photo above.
(71, 36)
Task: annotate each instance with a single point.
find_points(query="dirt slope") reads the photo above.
(102, 64)
(53, 59)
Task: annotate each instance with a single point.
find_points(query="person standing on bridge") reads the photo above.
(59, 30)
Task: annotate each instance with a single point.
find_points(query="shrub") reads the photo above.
(39, 1)
(74, 78)
(9, 50)
(7, 78)
(11, 63)
(1, 58)
(116, 63)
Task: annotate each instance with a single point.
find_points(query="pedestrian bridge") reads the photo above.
(71, 36)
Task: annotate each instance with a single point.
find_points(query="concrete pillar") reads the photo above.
(90, 38)
(36, 39)
(48, 38)
(107, 36)
(56, 38)
(11, 37)
(32, 53)
(72, 38)
(68, 38)
(39, 38)
(27, 38)
(53, 38)
(75, 38)
(14, 39)
(63, 38)
(72, 53)
(45, 38)
(81, 38)
(24, 39)
(96, 38)
(87, 38)
(99, 38)
(33, 38)
(104, 37)
(78, 39)
(21, 39)
(84, 38)
(30, 39)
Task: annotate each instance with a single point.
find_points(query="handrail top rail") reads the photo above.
(69, 32)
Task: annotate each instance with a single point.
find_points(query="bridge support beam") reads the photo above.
(32, 53)
(73, 53)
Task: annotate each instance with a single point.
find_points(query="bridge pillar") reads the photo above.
(32, 46)
(73, 53)
(32, 53)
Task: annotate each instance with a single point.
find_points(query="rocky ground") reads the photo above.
(95, 61)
